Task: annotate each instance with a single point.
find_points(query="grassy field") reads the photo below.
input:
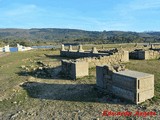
(24, 96)
(148, 66)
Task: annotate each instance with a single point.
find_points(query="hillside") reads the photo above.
(74, 35)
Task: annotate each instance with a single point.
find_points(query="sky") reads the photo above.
(92, 15)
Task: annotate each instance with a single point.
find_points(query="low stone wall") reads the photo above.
(153, 54)
(132, 85)
(144, 55)
(75, 54)
(94, 57)
(118, 57)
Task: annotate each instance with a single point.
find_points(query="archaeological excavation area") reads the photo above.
(111, 77)
(79, 82)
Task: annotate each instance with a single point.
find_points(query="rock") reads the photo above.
(40, 68)
(14, 102)
(34, 69)
(19, 112)
(13, 116)
(23, 66)
(31, 66)
(31, 79)
(27, 69)
(144, 107)
(23, 111)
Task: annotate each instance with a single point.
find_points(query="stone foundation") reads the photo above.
(144, 55)
(93, 58)
(116, 58)
(132, 85)
(74, 69)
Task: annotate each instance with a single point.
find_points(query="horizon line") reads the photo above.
(145, 31)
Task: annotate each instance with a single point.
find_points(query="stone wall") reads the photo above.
(74, 69)
(144, 55)
(75, 54)
(118, 57)
(132, 85)
(94, 57)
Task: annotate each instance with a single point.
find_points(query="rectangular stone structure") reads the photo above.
(144, 55)
(74, 69)
(132, 85)
(137, 83)
(100, 78)
(129, 79)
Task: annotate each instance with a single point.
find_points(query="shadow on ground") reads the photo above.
(68, 92)
(58, 57)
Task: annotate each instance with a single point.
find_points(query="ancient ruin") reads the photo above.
(111, 75)
(132, 85)
(74, 69)
(145, 54)
(94, 57)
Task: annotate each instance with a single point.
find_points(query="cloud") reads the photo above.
(144, 4)
(22, 10)
(137, 5)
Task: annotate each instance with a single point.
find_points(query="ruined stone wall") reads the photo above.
(94, 57)
(76, 54)
(151, 54)
(144, 55)
(118, 57)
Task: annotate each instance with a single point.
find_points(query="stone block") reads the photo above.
(70, 48)
(81, 69)
(80, 49)
(100, 81)
(144, 95)
(125, 57)
(132, 85)
(94, 50)
(133, 80)
(74, 69)
(62, 48)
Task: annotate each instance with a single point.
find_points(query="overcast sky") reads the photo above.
(94, 15)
